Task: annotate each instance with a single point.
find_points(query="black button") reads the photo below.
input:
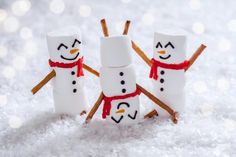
(72, 73)
(162, 89)
(123, 90)
(162, 72)
(74, 90)
(162, 80)
(122, 82)
(121, 73)
(73, 82)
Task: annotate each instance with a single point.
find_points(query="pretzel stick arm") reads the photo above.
(159, 103)
(43, 82)
(141, 53)
(126, 28)
(195, 55)
(91, 70)
(151, 114)
(95, 108)
(104, 28)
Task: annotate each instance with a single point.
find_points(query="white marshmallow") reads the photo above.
(68, 89)
(115, 51)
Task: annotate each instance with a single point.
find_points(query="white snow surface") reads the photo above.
(28, 125)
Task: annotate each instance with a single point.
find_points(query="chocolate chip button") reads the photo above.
(73, 82)
(72, 73)
(162, 89)
(162, 72)
(74, 90)
(122, 82)
(162, 80)
(121, 73)
(123, 90)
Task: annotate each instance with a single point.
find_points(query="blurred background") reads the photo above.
(27, 124)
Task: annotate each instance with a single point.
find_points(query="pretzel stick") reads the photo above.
(151, 114)
(159, 103)
(126, 28)
(95, 107)
(141, 53)
(43, 82)
(196, 55)
(104, 28)
(91, 70)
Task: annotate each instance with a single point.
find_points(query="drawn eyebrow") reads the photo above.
(61, 46)
(75, 42)
(169, 43)
(158, 44)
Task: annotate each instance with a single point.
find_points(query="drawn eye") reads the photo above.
(169, 43)
(62, 45)
(76, 41)
(158, 44)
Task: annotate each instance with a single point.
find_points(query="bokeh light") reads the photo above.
(224, 44)
(198, 28)
(25, 33)
(3, 51)
(147, 19)
(3, 100)
(19, 62)
(57, 6)
(20, 7)
(232, 25)
(30, 48)
(8, 72)
(11, 24)
(195, 4)
(125, 1)
(85, 10)
(15, 122)
(3, 15)
(200, 87)
(223, 84)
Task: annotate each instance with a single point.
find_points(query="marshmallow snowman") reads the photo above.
(169, 57)
(66, 59)
(118, 81)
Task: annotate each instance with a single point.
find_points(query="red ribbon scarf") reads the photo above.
(107, 101)
(78, 63)
(156, 64)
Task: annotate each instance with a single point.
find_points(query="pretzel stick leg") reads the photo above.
(95, 108)
(104, 28)
(141, 53)
(91, 70)
(126, 28)
(43, 82)
(151, 114)
(159, 103)
(196, 55)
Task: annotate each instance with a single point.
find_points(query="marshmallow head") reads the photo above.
(115, 51)
(169, 48)
(64, 45)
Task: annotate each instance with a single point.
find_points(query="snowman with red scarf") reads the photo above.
(66, 62)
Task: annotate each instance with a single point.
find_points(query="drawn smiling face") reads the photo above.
(169, 48)
(64, 48)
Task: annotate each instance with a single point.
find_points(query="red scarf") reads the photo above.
(156, 64)
(107, 101)
(78, 63)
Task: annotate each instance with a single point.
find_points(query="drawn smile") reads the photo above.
(70, 58)
(165, 57)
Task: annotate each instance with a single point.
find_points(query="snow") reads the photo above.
(28, 126)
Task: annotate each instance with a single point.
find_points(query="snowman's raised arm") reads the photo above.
(159, 103)
(91, 70)
(95, 108)
(43, 82)
(195, 55)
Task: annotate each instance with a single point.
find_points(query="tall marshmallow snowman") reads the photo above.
(168, 68)
(118, 81)
(66, 59)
